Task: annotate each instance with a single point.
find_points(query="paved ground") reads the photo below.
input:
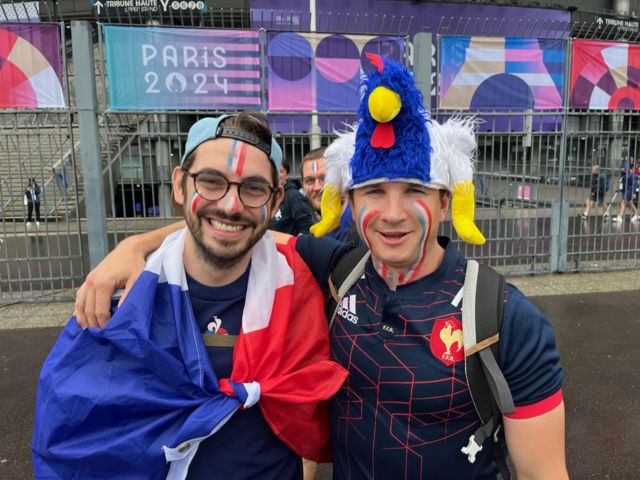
(596, 332)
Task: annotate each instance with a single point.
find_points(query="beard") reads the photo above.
(230, 251)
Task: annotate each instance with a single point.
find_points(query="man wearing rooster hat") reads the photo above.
(405, 410)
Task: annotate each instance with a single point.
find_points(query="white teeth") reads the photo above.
(224, 227)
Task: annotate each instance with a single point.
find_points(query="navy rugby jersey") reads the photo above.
(245, 447)
(405, 411)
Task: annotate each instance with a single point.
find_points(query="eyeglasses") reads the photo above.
(214, 186)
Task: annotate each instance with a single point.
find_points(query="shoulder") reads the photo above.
(321, 255)
(528, 355)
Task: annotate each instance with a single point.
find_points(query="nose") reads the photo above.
(394, 210)
(231, 203)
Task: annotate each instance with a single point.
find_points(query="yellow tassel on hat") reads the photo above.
(462, 213)
(330, 209)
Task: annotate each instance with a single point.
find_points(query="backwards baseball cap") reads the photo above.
(211, 128)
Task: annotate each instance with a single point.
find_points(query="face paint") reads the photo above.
(263, 214)
(314, 166)
(383, 270)
(392, 277)
(230, 203)
(194, 201)
(423, 214)
(364, 218)
(236, 157)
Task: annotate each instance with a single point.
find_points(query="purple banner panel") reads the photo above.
(501, 74)
(182, 68)
(319, 71)
(30, 66)
(376, 16)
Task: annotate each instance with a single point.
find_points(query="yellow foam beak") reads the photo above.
(384, 104)
(330, 209)
(463, 212)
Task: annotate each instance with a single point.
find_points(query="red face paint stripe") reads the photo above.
(242, 153)
(194, 201)
(414, 271)
(368, 218)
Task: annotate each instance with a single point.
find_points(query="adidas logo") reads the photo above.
(347, 309)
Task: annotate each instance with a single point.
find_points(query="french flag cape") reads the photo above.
(135, 399)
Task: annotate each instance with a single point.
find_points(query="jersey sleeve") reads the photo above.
(321, 256)
(528, 357)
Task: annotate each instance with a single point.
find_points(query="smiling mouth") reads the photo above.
(225, 227)
(393, 235)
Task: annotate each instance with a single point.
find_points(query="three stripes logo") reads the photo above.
(347, 309)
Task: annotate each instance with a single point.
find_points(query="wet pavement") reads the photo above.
(597, 336)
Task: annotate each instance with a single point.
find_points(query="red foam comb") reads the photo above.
(376, 60)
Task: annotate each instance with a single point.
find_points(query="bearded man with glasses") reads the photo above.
(141, 399)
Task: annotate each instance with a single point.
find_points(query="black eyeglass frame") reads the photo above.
(195, 175)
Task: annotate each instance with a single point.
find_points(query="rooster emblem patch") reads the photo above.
(214, 327)
(446, 340)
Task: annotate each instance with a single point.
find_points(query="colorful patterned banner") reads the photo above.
(497, 73)
(30, 66)
(182, 68)
(605, 75)
(319, 71)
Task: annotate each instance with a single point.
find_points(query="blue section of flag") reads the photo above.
(110, 399)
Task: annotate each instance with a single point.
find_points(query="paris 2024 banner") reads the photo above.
(182, 68)
(605, 75)
(30, 66)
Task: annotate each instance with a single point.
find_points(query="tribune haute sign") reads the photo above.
(113, 8)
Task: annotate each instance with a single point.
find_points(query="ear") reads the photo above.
(445, 201)
(279, 196)
(176, 182)
(349, 198)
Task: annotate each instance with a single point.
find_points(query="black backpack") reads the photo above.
(481, 332)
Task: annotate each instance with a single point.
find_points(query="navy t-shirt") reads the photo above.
(405, 410)
(245, 447)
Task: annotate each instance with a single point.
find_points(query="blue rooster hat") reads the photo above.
(392, 141)
(395, 140)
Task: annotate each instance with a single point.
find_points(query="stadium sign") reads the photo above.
(113, 8)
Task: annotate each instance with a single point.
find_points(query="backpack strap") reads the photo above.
(482, 313)
(346, 273)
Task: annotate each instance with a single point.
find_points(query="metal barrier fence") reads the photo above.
(531, 186)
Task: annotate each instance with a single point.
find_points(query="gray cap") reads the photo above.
(210, 128)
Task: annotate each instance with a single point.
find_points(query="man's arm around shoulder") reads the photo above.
(119, 269)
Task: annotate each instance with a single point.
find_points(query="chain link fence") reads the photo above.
(532, 183)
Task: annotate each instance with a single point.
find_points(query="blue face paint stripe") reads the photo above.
(231, 156)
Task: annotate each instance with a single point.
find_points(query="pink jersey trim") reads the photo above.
(538, 408)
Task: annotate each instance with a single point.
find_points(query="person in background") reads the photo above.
(294, 215)
(627, 188)
(597, 193)
(312, 170)
(33, 192)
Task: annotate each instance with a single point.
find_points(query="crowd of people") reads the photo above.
(627, 191)
(220, 360)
